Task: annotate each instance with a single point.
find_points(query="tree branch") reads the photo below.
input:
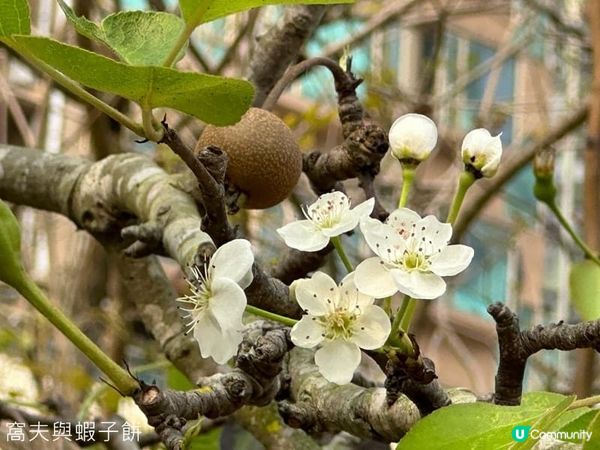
(280, 46)
(322, 406)
(517, 345)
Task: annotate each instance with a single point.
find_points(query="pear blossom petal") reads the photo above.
(350, 296)
(420, 285)
(246, 280)
(308, 332)
(232, 260)
(317, 295)
(382, 238)
(303, 235)
(413, 136)
(372, 328)
(374, 279)
(433, 233)
(325, 201)
(351, 219)
(402, 220)
(337, 360)
(227, 303)
(213, 342)
(452, 260)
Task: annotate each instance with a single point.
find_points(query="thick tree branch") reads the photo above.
(280, 46)
(254, 381)
(517, 345)
(117, 192)
(323, 406)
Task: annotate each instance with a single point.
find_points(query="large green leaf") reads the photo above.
(196, 12)
(11, 270)
(138, 37)
(584, 282)
(216, 100)
(594, 429)
(14, 17)
(476, 425)
(545, 423)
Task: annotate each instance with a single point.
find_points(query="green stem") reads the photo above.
(116, 374)
(387, 305)
(567, 226)
(190, 26)
(589, 401)
(337, 243)
(408, 176)
(408, 314)
(465, 181)
(149, 130)
(270, 316)
(77, 90)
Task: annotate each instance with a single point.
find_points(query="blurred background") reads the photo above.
(520, 67)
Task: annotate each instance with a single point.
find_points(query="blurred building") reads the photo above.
(503, 65)
(506, 65)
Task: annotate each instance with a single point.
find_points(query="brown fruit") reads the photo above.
(265, 161)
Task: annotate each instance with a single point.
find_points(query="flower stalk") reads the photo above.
(465, 181)
(270, 316)
(408, 176)
(337, 243)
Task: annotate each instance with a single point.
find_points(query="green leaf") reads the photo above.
(210, 440)
(141, 38)
(594, 429)
(214, 99)
(178, 381)
(476, 425)
(195, 439)
(575, 420)
(11, 270)
(14, 17)
(545, 422)
(584, 283)
(196, 12)
(83, 26)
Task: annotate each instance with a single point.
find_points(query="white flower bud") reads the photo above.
(412, 137)
(482, 151)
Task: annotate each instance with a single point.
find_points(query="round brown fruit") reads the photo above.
(265, 161)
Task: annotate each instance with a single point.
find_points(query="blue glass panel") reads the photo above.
(484, 282)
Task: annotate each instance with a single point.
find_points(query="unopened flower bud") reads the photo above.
(481, 152)
(543, 169)
(412, 138)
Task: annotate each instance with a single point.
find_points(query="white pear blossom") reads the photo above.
(217, 303)
(340, 319)
(412, 256)
(413, 137)
(482, 151)
(328, 217)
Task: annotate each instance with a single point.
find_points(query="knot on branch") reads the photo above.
(215, 160)
(254, 381)
(517, 345)
(415, 377)
(360, 153)
(300, 415)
